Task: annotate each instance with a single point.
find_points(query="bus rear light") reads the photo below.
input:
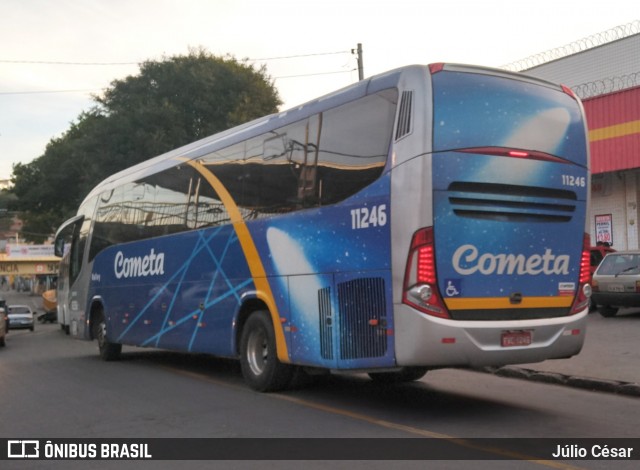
(420, 282)
(513, 153)
(584, 288)
(568, 91)
(426, 265)
(585, 263)
(435, 68)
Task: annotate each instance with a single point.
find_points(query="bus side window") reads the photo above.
(354, 145)
(107, 220)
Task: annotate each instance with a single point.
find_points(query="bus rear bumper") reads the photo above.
(424, 340)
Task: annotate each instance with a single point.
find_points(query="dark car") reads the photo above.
(616, 282)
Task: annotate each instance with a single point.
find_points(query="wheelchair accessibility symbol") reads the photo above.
(453, 288)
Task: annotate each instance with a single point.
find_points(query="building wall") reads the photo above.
(614, 130)
(617, 194)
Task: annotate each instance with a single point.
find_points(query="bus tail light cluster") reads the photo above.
(584, 287)
(420, 289)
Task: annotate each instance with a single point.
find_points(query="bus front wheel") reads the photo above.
(259, 362)
(108, 351)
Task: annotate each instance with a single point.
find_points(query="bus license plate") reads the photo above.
(516, 338)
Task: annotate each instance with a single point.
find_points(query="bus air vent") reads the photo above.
(326, 323)
(511, 203)
(404, 115)
(363, 323)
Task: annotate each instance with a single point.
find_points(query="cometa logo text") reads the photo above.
(467, 260)
(138, 266)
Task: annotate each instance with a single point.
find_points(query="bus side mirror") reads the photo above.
(58, 247)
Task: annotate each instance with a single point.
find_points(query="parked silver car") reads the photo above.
(20, 316)
(616, 282)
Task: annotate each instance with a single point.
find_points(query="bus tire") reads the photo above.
(406, 374)
(108, 351)
(259, 362)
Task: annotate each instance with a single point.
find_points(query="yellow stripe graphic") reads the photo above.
(251, 254)
(473, 303)
(618, 130)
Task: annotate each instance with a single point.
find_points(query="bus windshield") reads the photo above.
(473, 110)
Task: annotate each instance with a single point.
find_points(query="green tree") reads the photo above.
(170, 103)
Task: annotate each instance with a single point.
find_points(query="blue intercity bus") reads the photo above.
(427, 217)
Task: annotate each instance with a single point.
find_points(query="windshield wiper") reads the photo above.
(627, 270)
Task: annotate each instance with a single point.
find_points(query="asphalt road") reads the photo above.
(52, 386)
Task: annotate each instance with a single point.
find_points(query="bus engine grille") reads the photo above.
(363, 327)
(511, 203)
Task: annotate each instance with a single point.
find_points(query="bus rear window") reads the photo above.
(474, 110)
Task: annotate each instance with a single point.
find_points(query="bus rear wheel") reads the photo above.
(406, 374)
(259, 362)
(108, 351)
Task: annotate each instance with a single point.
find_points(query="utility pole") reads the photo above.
(358, 53)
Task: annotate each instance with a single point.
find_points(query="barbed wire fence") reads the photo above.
(606, 85)
(596, 87)
(595, 40)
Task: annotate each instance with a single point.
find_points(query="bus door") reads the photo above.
(73, 282)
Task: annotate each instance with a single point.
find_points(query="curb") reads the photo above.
(585, 383)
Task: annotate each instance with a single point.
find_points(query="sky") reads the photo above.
(54, 55)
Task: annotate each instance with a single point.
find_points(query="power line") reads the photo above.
(314, 74)
(47, 62)
(302, 55)
(45, 92)
(56, 62)
(7, 93)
